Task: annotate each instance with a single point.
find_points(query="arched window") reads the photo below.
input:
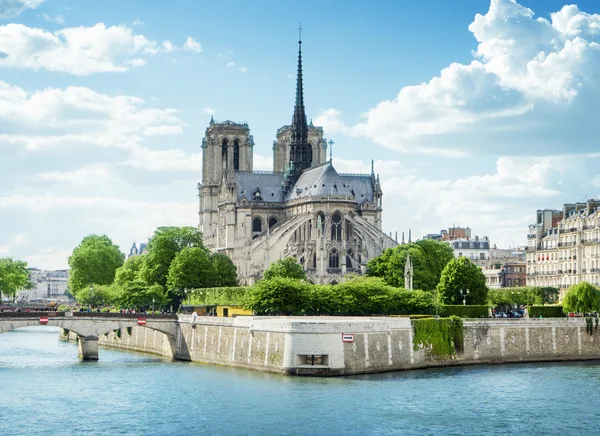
(224, 153)
(272, 221)
(236, 155)
(256, 227)
(310, 155)
(334, 259)
(336, 227)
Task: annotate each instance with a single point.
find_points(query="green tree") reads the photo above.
(97, 295)
(461, 274)
(278, 296)
(94, 260)
(13, 276)
(288, 268)
(129, 271)
(191, 268)
(225, 270)
(162, 249)
(524, 296)
(428, 258)
(582, 298)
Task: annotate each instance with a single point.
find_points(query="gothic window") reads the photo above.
(348, 230)
(224, 153)
(236, 155)
(334, 259)
(336, 227)
(314, 262)
(349, 259)
(272, 221)
(256, 227)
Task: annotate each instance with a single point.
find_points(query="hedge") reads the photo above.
(545, 311)
(225, 296)
(472, 311)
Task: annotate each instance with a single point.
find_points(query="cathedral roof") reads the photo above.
(267, 184)
(361, 186)
(321, 181)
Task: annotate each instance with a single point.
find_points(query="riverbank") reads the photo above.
(331, 346)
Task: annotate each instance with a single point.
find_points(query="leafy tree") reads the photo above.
(129, 271)
(288, 268)
(162, 249)
(225, 270)
(13, 276)
(428, 258)
(94, 260)
(97, 295)
(582, 298)
(191, 268)
(278, 296)
(461, 274)
(549, 294)
(525, 296)
(137, 293)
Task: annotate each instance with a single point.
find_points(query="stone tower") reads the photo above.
(226, 147)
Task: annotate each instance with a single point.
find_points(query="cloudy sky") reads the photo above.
(476, 114)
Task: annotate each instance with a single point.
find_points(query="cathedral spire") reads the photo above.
(300, 152)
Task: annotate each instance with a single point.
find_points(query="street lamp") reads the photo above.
(153, 305)
(91, 296)
(186, 295)
(464, 293)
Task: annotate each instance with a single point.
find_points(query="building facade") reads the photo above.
(564, 246)
(476, 250)
(48, 285)
(304, 208)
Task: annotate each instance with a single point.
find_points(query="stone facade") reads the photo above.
(564, 246)
(304, 208)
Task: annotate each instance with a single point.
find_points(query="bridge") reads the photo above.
(89, 326)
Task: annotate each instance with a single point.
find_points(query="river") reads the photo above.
(46, 390)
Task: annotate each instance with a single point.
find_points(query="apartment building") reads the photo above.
(564, 246)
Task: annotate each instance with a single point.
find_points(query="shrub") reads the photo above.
(545, 311)
(472, 311)
(225, 296)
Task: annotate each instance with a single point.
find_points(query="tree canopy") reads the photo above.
(162, 249)
(428, 258)
(13, 276)
(94, 260)
(287, 268)
(191, 268)
(462, 274)
(225, 270)
(582, 298)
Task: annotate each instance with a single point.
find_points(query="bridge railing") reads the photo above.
(109, 315)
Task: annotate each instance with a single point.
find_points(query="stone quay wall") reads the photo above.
(343, 346)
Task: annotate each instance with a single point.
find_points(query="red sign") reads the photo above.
(347, 337)
(44, 320)
(141, 321)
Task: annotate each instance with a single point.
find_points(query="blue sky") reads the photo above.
(477, 112)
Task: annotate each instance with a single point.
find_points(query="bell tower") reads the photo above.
(227, 147)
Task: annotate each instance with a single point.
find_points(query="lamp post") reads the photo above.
(153, 305)
(91, 296)
(186, 296)
(464, 293)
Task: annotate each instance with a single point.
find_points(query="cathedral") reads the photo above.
(330, 222)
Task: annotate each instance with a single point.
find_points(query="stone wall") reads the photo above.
(287, 344)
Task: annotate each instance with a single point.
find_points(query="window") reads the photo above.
(336, 227)
(236, 155)
(481, 256)
(349, 259)
(256, 227)
(224, 154)
(334, 259)
(272, 221)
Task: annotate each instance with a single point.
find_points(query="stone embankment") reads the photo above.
(339, 346)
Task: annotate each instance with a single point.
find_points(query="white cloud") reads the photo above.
(210, 111)
(168, 46)
(230, 64)
(76, 50)
(57, 19)
(137, 22)
(192, 45)
(243, 69)
(77, 116)
(12, 8)
(164, 160)
(530, 76)
(94, 174)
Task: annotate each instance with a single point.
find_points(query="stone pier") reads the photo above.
(88, 347)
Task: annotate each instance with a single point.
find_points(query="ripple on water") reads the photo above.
(46, 390)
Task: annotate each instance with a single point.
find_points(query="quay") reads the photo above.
(318, 346)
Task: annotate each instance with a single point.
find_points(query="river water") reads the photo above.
(46, 390)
